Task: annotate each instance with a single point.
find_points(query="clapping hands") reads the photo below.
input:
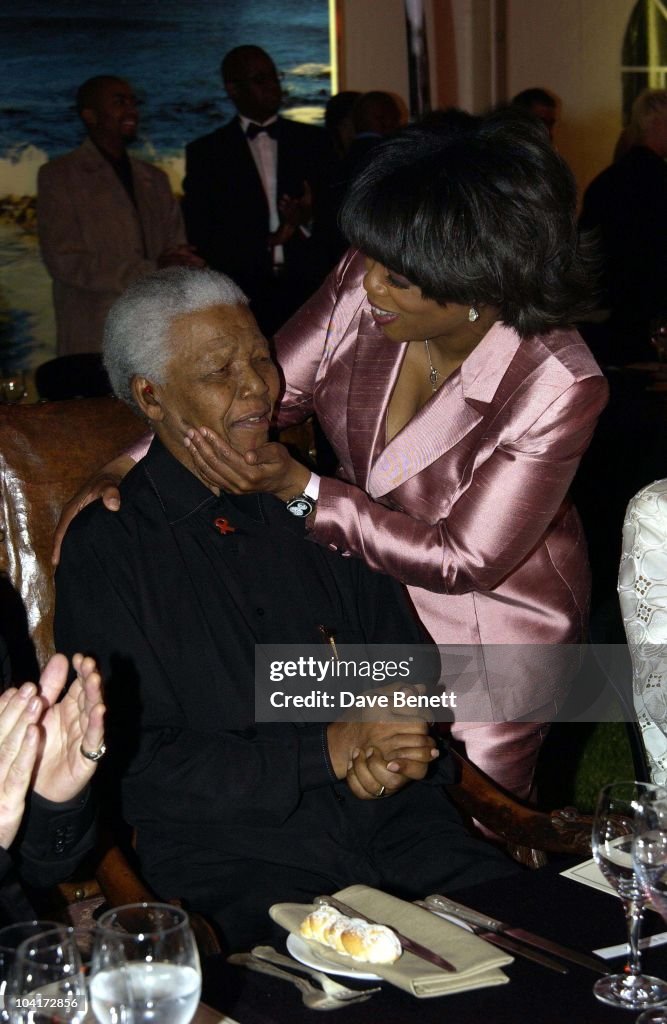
(41, 738)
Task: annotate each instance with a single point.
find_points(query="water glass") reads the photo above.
(46, 982)
(145, 966)
(11, 938)
(649, 854)
(617, 818)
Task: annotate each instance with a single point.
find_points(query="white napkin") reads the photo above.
(477, 962)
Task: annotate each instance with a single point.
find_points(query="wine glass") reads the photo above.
(649, 855)
(46, 982)
(658, 332)
(11, 938)
(617, 817)
(12, 387)
(145, 966)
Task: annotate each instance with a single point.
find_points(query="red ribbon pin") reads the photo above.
(224, 526)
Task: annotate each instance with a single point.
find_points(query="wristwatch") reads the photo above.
(304, 504)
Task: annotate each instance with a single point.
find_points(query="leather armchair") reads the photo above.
(46, 452)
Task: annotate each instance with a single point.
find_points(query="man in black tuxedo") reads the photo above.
(253, 191)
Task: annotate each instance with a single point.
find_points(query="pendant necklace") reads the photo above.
(434, 375)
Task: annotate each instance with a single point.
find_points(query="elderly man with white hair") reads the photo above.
(177, 588)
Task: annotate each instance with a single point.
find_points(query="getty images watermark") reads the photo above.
(333, 673)
(458, 682)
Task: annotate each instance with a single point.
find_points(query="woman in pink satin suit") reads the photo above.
(441, 364)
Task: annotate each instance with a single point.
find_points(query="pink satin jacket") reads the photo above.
(467, 505)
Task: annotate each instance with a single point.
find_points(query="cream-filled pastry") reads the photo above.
(351, 936)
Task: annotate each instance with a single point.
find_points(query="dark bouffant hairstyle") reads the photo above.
(483, 213)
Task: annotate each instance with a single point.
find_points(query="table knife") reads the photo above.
(416, 948)
(474, 917)
(505, 942)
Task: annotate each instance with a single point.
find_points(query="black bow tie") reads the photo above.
(253, 130)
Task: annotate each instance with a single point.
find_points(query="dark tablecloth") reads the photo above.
(542, 901)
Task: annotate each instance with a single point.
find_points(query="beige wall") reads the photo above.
(484, 51)
(373, 52)
(460, 48)
(573, 47)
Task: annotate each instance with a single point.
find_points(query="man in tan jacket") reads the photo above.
(104, 218)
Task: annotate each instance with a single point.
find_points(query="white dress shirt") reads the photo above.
(264, 151)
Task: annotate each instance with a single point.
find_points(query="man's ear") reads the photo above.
(147, 395)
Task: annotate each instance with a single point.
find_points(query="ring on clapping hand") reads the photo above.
(380, 792)
(96, 755)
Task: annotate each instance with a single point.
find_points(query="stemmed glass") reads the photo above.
(145, 966)
(12, 387)
(11, 938)
(616, 820)
(46, 982)
(649, 854)
(658, 332)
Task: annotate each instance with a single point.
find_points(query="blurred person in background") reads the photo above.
(539, 104)
(627, 206)
(104, 218)
(252, 192)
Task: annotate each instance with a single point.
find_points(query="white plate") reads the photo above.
(307, 954)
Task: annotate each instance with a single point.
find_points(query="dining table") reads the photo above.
(542, 901)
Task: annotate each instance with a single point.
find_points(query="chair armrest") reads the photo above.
(118, 881)
(519, 824)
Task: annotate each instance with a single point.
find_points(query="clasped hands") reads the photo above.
(378, 758)
(41, 738)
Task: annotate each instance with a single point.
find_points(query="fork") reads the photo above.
(313, 998)
(331, 987)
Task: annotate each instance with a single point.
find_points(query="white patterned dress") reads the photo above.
(642, 588)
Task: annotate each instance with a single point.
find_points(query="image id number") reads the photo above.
(38, 1002)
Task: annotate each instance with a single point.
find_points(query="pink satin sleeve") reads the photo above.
(513, 497)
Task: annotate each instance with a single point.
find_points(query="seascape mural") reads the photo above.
(170, 51)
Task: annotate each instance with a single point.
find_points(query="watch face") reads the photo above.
(301, 506)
